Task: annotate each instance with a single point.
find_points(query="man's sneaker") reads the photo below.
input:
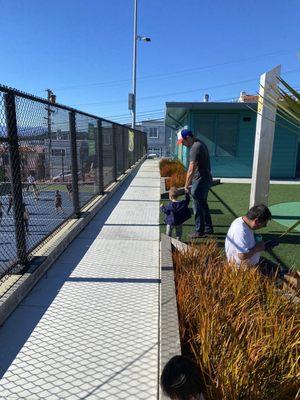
(196, 235)
(282, 271)
(209, 231)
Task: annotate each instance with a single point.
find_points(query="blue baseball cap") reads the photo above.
(183, 135)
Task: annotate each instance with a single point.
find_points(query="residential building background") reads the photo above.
(158, 136)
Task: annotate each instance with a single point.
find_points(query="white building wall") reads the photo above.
(160, 144)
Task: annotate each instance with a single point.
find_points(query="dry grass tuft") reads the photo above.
(243, 332)
(165, 161)
(168, 168)
(177, 180)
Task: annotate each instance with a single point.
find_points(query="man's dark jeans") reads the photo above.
(199, 192)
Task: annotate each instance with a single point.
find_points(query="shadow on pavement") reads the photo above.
(19, 326)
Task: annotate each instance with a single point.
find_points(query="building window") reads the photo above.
(156, 150)
(58, 152)
(106, 140)
(153, 133)
(59, 135)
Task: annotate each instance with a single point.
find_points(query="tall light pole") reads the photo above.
(136, 37)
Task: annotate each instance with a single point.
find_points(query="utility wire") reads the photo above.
(168, 94)
(162, 110)
(144, 115)
(176, 73)
(178, 93)
(139, 116)
(278, 113)
(141, 112)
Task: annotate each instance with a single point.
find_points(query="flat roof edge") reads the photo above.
(209, 105)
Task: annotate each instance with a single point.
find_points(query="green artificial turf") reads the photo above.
(231, 200)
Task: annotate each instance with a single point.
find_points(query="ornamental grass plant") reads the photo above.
(165, 161)
(177, 179)
(242, 331)
(170, 167)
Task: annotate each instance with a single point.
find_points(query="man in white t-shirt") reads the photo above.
(240, 244)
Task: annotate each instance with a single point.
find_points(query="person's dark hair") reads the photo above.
(173, 192)
(180, 379)
(261, 212)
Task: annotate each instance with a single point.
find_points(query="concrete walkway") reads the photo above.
(89, 329)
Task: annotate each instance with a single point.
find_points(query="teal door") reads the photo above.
(220, 133)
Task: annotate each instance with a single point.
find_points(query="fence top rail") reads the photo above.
(28, 96)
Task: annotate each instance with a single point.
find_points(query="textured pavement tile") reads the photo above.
(90, 326)
(127, 232)
(146, 214)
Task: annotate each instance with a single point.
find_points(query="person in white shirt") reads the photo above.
(240, 244)
(30, 182)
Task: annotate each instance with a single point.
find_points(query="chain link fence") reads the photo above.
(53, 161)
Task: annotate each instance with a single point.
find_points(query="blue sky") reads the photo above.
(82, 50)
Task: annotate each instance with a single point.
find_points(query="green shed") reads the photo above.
(228, 129)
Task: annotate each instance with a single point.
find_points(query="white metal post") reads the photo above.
(264, 137)
(134, 65)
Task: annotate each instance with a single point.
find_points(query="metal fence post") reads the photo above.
(145, 144)
(72, 125)
(114, 152)
(140, 146)
(137, 146)
(124, 149)
(127, 149)
(143, 141)
(100, 157)
(133, 151)
(130, 147)
(134, 146)
(16, 181)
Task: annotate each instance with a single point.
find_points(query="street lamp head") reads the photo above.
(144, 38)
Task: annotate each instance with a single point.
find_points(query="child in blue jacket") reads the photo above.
(177, 212)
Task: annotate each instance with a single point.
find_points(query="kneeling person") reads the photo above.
(240, 244)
